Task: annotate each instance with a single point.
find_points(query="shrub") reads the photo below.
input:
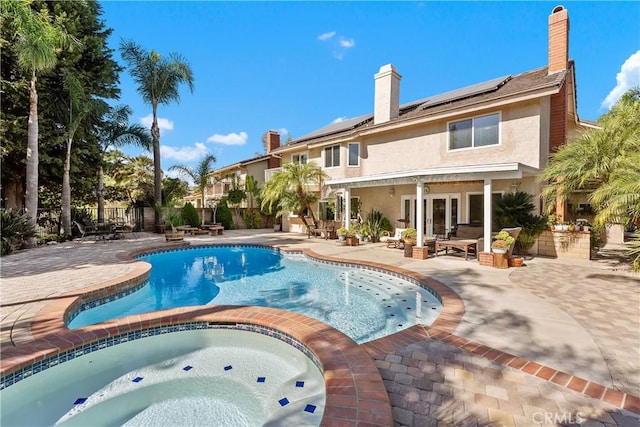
(223, 215)
(174, 219)
(15, 230)
(375, 224)
(190, 215)
(252, 219)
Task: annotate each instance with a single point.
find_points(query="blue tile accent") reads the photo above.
(228, 368)
(261, 379)
(299, 383)
(80, 400)
(310, 408)
(84, 350)
(187, 368)
(137, 379)
(283, 402)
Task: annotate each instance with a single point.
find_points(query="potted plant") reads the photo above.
(171, 233)
(410, 236)
(375, 225)
(502, 242)
(351, 238)
(342, 233)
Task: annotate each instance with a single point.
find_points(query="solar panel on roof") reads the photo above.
(337, 127)
(465, 92)
(450, 96)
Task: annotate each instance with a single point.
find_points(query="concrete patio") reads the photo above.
(566, 336)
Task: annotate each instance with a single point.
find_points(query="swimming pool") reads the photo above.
(172, 376)
(364, 303)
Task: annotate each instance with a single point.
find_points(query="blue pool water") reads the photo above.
(222, 378)
(364, 304)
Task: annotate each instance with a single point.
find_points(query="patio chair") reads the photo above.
(85, 230)
(396, 241)
(513, 232)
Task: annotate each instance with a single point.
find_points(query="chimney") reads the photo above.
(273, 141)
(387, 94)
(558, 39)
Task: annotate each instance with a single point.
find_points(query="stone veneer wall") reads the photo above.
(565, 244)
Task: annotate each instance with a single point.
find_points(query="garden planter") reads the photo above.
(516, 261)
(486, 259)
(352, 241)
(171, 236)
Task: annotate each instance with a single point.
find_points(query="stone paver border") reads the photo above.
(51, 319)
(355, 392)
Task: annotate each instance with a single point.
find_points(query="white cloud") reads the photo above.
(339, 45)
(627, 78)
(339, 119)
(184, 154)
(163, 124)
(346, 43)
(229, 139)
(326, 36)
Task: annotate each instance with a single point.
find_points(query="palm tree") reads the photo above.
(288, 190)
(158, 80)
(604, 161)
(79, 108)
(115, 133)
(132, 175)
(198, 175)
(38, 41)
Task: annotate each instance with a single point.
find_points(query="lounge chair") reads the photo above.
(513, 232)
(396, 241)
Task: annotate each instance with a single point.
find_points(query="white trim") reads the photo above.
(451, 173)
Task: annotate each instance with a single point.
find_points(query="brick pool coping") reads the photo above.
(354, 396)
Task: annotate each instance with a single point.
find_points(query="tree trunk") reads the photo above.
(65, 214)
(202, 216)
(157, 171)
(31, 193)
(100, 195)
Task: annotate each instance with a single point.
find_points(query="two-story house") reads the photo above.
(438, 161)
(220, 181)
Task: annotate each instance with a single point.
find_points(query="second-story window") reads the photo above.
(475, 132)
(354, 154)
(332, 156)
(299, 158)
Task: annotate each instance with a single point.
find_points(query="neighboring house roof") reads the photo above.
(488, 91)
(240, 164)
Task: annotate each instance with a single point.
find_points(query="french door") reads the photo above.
(441, 213)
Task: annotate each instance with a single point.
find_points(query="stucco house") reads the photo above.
(221, 180)
(437, 162)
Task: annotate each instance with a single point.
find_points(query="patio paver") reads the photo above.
(579, 323)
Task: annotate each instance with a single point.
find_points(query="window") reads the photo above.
(476, 132)
(476, 208)
(299, 158)
(340, 206)
(354, 154)
(327, 210)
(332, 156)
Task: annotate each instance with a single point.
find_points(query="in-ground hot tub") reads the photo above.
(187, 374)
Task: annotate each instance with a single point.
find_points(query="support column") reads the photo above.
(487, 215)
(420, 213)
(347, 208)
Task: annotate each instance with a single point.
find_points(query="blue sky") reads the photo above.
(298, 66)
